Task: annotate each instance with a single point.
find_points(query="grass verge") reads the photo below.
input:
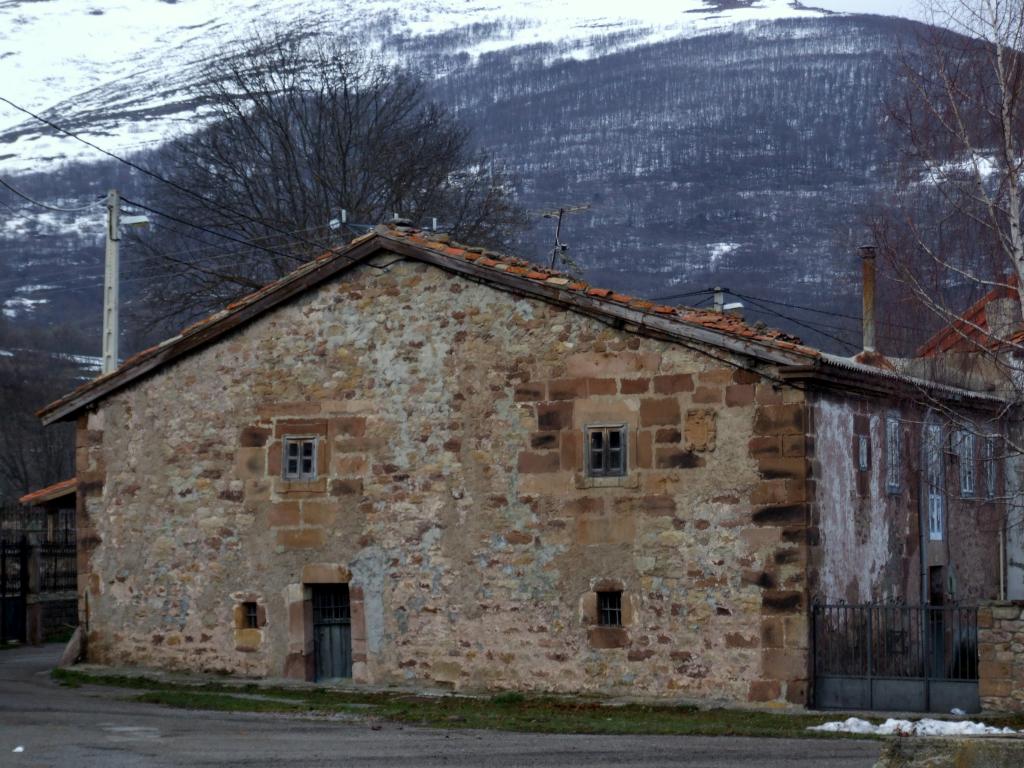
(508, 711)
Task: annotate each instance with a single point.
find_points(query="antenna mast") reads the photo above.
(559, 247)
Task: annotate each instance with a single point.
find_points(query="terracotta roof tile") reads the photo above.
(442, 245)
(50, 492)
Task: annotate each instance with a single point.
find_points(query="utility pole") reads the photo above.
(559, 247)
(112, 277)
(719, 300)
(111, 282)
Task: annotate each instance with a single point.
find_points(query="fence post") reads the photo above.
(871, 685)
(32, 588)
(814, 656)
(3, 590)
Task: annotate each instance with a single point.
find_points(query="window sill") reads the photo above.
(603, 638)
(623, 481)
(285, 487)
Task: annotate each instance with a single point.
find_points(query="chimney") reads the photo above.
(867, 256)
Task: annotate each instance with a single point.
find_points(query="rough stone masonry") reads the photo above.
(450, 496)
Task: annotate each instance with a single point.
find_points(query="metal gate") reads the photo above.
(895, 657)
(13, 590)
(332, 631)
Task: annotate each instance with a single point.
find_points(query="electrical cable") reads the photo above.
(682, 295)
(23, 196)
(844, 342)
(214, 232)
(152, 174)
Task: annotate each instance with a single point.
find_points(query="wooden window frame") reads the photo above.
(250, 614)
(605, 430)
(300, 476)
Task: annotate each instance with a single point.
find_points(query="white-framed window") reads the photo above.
(300, 458)
(892, 454)
(606, 450)
(991, 466)
(863, 453)
(935, 478)
(968, 468)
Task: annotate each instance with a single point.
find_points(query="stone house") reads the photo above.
(413, 462)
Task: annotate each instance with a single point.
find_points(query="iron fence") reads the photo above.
(896, 641)
(13, 570)
(58, 568)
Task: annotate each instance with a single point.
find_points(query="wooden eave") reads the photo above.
(823, 376)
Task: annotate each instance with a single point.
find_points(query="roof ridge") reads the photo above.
(439, 244)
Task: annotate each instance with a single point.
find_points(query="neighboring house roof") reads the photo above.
(972, 329)
(678, 324)
(50, 492)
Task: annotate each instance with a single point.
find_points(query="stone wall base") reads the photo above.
(1000, 656)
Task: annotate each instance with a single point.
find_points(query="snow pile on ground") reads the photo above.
(924, 727)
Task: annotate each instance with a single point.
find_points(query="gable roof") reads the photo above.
(678, 324)
(971, 330)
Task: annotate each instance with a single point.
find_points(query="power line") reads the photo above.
(164, 180)
(213, 232)
(790, 305)
(23, 196)
(682, 295)
(842, 341)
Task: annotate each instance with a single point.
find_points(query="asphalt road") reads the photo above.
(96, 726)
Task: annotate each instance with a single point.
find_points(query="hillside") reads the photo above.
(740, 156)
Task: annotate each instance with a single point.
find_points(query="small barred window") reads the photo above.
(609, 609)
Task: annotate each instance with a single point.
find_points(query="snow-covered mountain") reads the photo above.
(728, 143)
(119, 71)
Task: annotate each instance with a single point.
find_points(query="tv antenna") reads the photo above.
(560, 248)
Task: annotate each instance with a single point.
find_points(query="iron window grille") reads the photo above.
(863, 453)
(936, 481)
(300, 458)
(990, 467)
(892, 454)
(967, 468)
(609, 609)
(251, 615)
(606, 451)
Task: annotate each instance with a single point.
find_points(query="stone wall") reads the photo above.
(1001, 656)
(451, 496)
(866, 536)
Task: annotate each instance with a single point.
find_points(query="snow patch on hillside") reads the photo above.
(119, 72)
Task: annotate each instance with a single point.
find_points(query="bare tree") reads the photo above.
(32, 456)
(301, 128)
(952, 233)
(954, 227)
